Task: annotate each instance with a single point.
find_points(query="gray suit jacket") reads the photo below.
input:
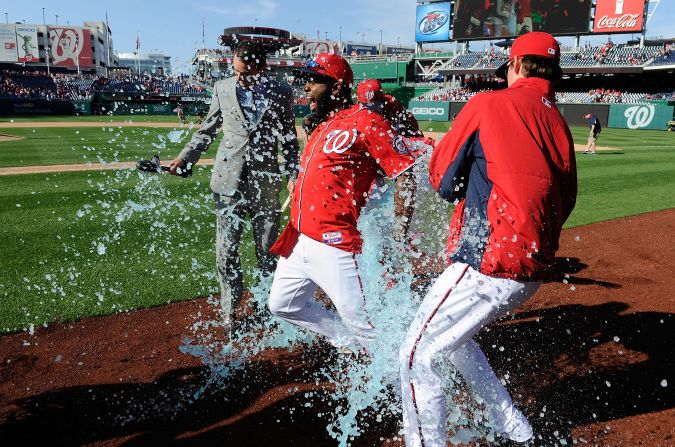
(254, 146)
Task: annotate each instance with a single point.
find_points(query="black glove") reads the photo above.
(154, 165)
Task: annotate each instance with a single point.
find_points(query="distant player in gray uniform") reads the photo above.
(256, 115)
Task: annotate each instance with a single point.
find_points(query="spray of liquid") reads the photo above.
(365, 391)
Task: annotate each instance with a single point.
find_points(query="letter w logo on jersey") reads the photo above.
(339, 141)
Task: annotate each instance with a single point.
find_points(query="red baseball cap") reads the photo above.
(370, 91)
(327, 66)
(535, 43)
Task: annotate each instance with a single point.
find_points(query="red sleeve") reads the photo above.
(390, 151)
(451, 149)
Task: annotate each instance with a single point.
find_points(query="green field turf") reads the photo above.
(90, 243)
(55, 145)
(87, 243)
(95, 118)
(102, 119)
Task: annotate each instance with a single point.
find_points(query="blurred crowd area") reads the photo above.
(60, 86)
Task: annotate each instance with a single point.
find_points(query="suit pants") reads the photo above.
(261, 205)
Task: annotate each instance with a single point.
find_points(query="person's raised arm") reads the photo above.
(202, 138)
(404, 204)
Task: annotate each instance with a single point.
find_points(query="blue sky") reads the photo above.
(174, 27)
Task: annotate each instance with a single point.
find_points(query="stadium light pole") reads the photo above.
(6, 18)
(339, 27)
(47, 50)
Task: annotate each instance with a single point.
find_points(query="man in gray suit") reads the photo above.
(256, 115)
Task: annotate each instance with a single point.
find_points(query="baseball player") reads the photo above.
(345, 153)
(594, 131)
(370, 95)
(509, 163)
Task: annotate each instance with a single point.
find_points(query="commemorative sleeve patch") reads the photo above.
(333, 237)
(400, 146)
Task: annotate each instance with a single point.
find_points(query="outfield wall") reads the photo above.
(28, 107)
(622, 116)
(103, 104)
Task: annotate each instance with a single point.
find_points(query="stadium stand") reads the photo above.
(588, 56)
(666, 56)
(39, 85)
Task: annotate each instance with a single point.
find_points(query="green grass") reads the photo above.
(94, 118)
(57, 145)
(90, 243)
(158, 231)
(101, 118)
(53, 145)
(638, 178)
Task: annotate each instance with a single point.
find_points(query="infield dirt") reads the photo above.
(590, 357)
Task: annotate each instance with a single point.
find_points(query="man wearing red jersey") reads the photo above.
(345, 153)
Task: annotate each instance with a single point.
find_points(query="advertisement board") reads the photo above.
(359, 50)
(400, 50)
(640, 116)
(8, 44)
(433, 22)
(618, 16)
(70, 47)
(27, 44)
(480, 19)
(314, 47)
(430, 110)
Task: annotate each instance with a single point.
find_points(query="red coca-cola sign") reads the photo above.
(617, 16)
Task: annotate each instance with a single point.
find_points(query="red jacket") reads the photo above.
(509, 162)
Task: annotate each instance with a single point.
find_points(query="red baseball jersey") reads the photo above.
(343, 157)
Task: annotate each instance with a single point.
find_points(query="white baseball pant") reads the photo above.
(314, 264)
(460, 302)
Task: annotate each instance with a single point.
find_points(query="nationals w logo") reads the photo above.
(338, 141)
(639, 116)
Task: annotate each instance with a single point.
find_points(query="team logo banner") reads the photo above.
(8, 44)
(70, 47)
(618, 16)
(433, 23)
(640, 116)
(27, 44)
(314, 47)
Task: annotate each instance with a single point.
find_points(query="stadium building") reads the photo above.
(72, 49)
(607, 79)
(146, 63)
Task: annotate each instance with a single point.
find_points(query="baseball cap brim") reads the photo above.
(501, 71)
(307, 73)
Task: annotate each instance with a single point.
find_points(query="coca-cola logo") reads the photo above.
(623, 21)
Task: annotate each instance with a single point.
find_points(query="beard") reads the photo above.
(324, 105)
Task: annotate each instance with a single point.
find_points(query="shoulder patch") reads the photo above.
(400, 145)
